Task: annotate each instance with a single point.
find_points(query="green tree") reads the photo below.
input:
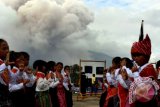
(75, 74)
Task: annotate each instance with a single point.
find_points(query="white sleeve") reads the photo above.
(116, 72)
(108, 77)
(121, 81)
(159, 75)
(106, 85)
(32, 80)
(43, 84)
(15, 87)
(129, 72)
(136, 74)
(66, 86)
(53, 84)
(2, 67)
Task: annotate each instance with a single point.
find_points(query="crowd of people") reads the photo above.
(48, 84)
(128, 83)
(133, 82)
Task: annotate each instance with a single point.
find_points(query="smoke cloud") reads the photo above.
(46, 29)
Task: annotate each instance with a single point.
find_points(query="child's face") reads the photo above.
(20, 64)
(4, 49)
(59, 67)
(124, 74)
(140, 60)
(67, 70)
(43, 69)
(26, 61)
(123, 62)
(113, 65)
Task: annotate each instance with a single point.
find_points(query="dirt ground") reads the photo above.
(90, 101)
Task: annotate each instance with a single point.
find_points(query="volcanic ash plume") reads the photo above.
(45, 23)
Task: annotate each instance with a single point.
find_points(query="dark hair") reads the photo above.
(158, 64)
(82, 73)
(116, 60)
(66, 67)
(25, 54)
(40, 64)
(59, 63)
(12, 57)
(93, 75)
(2, 40)
(129, 63)
(50, 65)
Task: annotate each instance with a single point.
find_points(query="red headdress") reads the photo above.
(143, 46)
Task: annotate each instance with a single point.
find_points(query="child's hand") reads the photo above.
(52, 75)
(28, 70)
(124, 76)
(25, 81)
(66, 75)
(19, 80)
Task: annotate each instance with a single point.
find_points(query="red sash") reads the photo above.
(14, 70)
(111, 93)
(122, 94)
(40, 75)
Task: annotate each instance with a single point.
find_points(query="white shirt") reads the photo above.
(14, 85)
(136, 74)
(66, 78)
(112, 79)
(53, 81)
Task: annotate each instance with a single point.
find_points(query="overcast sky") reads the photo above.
(66, 30)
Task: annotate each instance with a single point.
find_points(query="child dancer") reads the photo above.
(42, 85)
(19, 80)
(124, 81)
(141, 52)
(4, 74)
(58, 84)
(68, 85)
(51, 66)
(111, 76)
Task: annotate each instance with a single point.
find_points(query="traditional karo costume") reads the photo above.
(136, 96)
(59, 91)
(42, 91)
(123, 86)
(17, 90)
(4, 79)
(53, 89)
(112, 96)
(68, 90)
